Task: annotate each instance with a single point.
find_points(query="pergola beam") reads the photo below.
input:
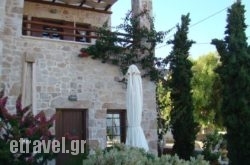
(80, 6)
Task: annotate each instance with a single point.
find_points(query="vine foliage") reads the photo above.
(135, 45)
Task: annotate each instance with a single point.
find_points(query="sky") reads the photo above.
(208, 21)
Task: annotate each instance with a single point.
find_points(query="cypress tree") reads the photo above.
(184, 129)
(234, 73)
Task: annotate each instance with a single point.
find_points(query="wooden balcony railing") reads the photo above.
(56, 29)
(62, 30)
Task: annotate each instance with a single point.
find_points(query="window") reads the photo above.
(56, 29)
(116, 126)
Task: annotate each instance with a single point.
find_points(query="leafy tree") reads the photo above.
(235, 77)
(163, 108)
(184, 128)
(205, 86)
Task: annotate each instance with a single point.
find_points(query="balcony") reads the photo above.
(58, 29)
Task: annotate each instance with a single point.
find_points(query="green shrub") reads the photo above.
(213, 146)
(124, 155)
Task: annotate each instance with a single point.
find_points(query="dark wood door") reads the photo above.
(73, 123)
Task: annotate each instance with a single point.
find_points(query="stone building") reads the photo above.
(39, 47)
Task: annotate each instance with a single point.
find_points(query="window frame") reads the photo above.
(122, 125)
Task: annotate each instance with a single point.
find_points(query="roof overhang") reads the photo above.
(102, 6)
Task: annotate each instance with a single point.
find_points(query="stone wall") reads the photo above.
(2, 14)
(10, 31)
(59, 72)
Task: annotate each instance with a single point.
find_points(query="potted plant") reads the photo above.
(83, 53)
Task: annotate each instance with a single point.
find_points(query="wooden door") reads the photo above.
(72, 122)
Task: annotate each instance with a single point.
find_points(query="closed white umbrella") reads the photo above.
(134, 102)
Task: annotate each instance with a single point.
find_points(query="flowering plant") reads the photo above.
(23, 125)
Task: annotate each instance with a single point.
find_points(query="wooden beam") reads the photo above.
(71, 6)
(59, 26)
(107, 7)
